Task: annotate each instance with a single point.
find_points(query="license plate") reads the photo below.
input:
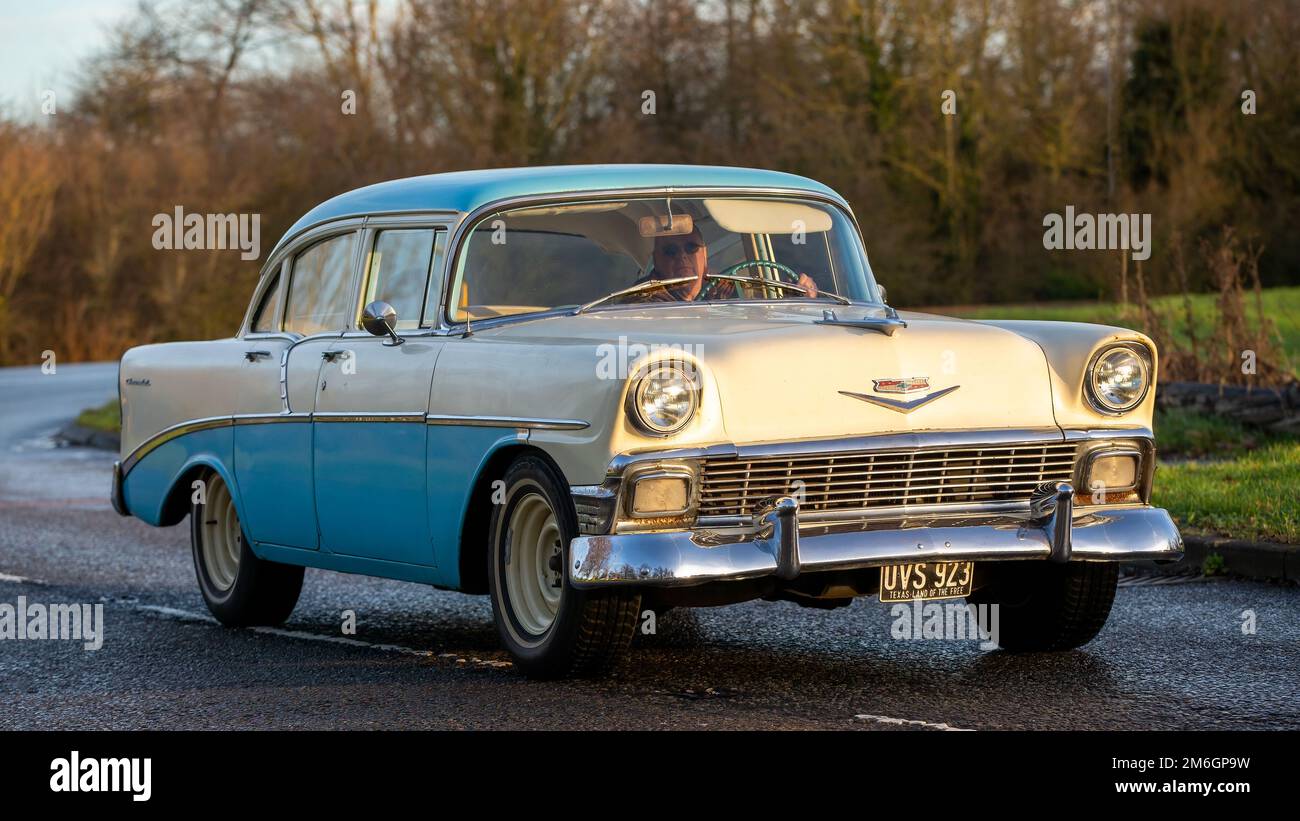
(926, 580)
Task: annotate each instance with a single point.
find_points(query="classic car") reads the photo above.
(599, 392)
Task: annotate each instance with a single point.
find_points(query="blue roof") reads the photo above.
(469, 190)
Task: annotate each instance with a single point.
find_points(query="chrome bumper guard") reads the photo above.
(117, 495)
(778, 546)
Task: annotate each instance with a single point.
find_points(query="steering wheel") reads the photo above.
(748, 263)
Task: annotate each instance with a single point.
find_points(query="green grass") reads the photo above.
(106, 417)
(1219, 476)
(1185, 434)
(1250, 496)
(1282, 305)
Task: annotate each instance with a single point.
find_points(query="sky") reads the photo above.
(42, 42)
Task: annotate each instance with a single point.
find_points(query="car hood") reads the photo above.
(778, 375)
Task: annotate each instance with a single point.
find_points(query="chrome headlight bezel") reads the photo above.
(1090, 390)
(644, 381)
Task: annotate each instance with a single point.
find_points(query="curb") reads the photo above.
(74, 434)
(1252, 560)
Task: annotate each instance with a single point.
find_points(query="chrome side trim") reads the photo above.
(362, 416)
(1135, 432)
(506, 422)
(412, 417)
(269, 418)
(165, 435)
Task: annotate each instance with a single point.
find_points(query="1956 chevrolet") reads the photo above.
(593, 391)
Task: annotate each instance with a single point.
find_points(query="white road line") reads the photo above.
(910, 722)
(5, 577)
(185, 615)
(298, 634)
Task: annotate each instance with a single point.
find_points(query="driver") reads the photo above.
(687, 255)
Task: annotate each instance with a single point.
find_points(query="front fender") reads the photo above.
(1069, 347)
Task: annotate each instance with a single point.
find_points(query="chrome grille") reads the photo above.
(853, 480)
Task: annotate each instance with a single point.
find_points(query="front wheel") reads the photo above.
(1050, 606)
(550, 628)
(240, 589)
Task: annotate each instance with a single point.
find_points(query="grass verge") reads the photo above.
(1249, 496)
(106, 417)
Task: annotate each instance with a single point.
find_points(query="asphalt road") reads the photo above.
(1172, 655)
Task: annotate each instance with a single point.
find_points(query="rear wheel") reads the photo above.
(550, 628)
(240, 589)
(1045, 606)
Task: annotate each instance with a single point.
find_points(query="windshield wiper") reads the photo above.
(643, 286)
(780, 284)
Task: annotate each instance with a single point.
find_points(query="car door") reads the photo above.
(370, 432)
(284, 357)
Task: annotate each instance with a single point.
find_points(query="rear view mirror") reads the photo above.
(666, 226)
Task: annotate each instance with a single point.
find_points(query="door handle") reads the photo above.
(253, 356)
(330, 356)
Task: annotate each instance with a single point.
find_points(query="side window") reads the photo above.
(398, 272)
(267, 318)
(320, 286)
(811, 257)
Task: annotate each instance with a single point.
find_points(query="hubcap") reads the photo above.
(222, 535)
(534, 563)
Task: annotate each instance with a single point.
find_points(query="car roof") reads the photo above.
(469, 190)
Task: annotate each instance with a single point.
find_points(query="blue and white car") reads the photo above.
(596, 391)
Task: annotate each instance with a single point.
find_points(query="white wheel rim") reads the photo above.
(533, 585)
(222, 535)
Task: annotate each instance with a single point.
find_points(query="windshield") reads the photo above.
(658, 250)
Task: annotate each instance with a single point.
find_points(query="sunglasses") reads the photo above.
(672, 249)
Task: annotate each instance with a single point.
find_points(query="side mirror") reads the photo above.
(884, 295)
(380, 319)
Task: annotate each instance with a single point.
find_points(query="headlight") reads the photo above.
(1119, 377)
(663, 399)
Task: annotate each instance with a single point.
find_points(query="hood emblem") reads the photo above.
(900, 405)
(911, 384)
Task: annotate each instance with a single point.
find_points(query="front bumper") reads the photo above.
(778, 546)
